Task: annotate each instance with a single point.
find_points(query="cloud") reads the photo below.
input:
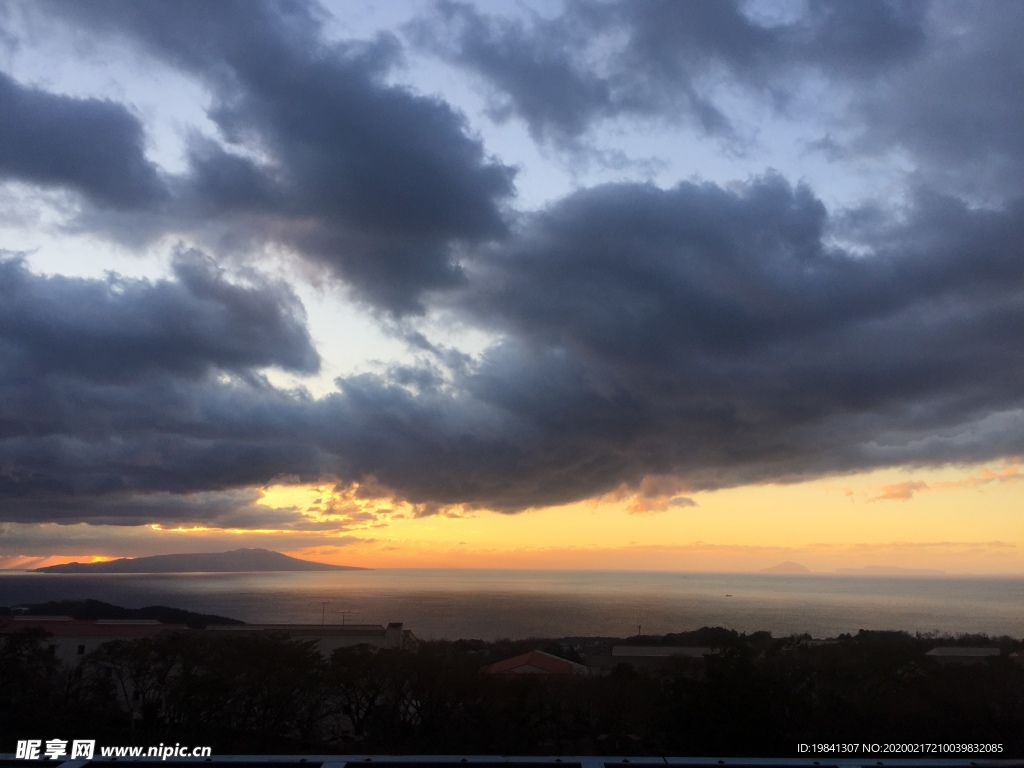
(904, 491)
(1008, 474)
(971, 60)
(187, 510)
(653, 493)
(860, 40)
(704, 335)
(681, 501)
(93, 146)
(709, 334)
(317, 152)
(651, 341)
(118, 329)
(113, 389)
(900, 491)
(645, 59)
(546, 73)
(882, 76)
(642, 505)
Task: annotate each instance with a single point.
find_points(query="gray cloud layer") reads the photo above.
(370, 180)
(117, 329)
(111, 387)
(721, 335)
(713, 335)
(93, 147)
(644, 58)
(698, 332)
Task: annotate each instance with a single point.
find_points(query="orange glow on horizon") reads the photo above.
(29, 562)
(957, 519)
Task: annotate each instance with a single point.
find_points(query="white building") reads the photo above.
(72, 639)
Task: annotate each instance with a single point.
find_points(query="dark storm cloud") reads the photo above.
(859, 39)
(133, 509)
(686, 338)
(236, 508)
(369, 179)
(72, 438)
(645, 58)
(713, 336)
(118, 329)
(93, 146)
(110, 389)
(956, 111)
(533, 68)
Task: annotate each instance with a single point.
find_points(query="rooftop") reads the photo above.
(537, 662)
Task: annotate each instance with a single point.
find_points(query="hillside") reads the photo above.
(239, 560)
(93, 610)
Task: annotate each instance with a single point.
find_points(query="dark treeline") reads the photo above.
(756, 695)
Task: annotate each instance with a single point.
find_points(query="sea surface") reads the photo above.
(492, 604)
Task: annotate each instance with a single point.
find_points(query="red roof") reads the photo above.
(537, 663)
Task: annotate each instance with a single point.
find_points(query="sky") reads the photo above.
(596, 284)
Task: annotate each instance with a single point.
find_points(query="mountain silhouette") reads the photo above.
(238, 560)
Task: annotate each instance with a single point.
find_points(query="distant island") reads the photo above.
(787, 567)
(890, 570)
(236, 561)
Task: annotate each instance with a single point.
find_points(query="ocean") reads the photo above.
(492, 604)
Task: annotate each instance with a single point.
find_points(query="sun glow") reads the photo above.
(889, 517)
(958, 519)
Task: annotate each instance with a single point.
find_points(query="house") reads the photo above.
(72, 639)
(536, 663)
